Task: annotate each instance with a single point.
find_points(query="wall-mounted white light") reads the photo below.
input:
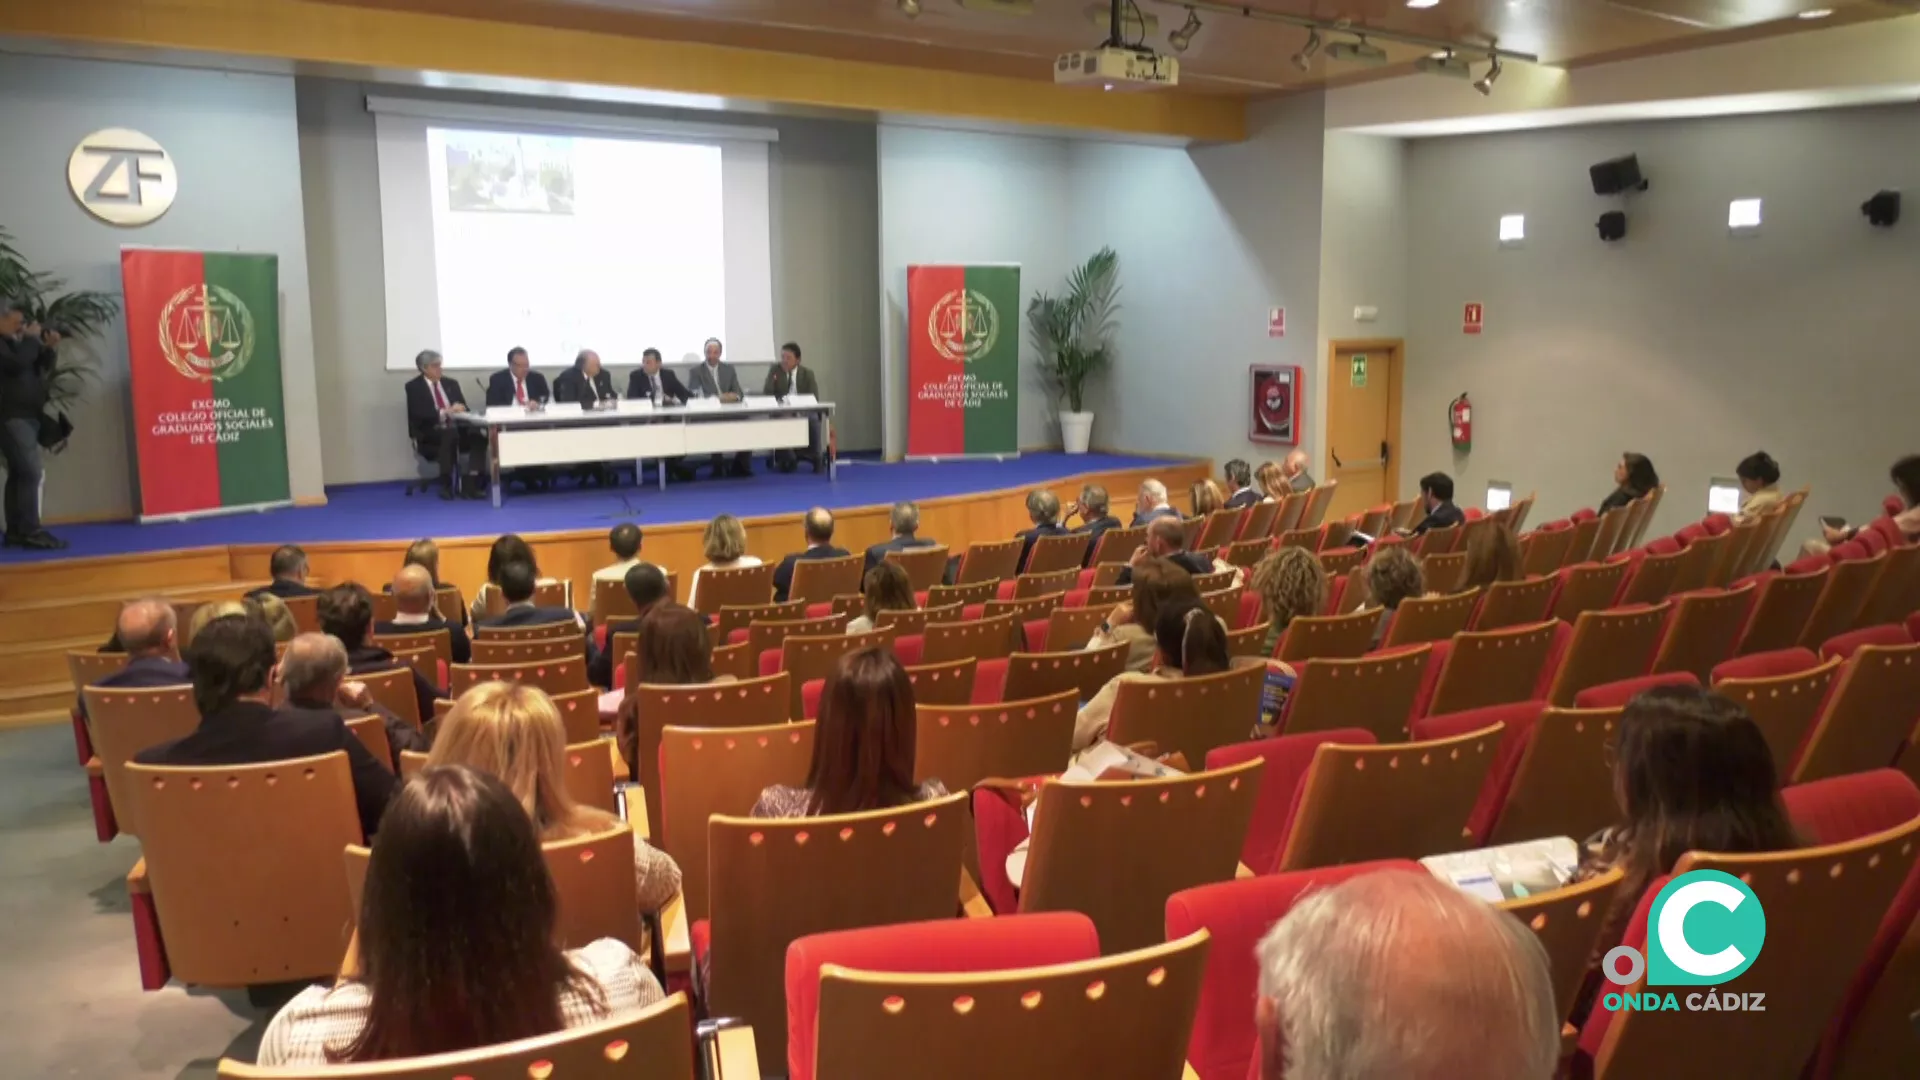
(1513, 228)
(1743, 215)
(1499, 495)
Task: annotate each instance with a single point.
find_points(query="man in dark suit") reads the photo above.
(289, 569)
(432, 402)
(1151, 505)
(585, 382)
(1043, 509)
(1167, 539)
(656, 383)
(346, 612)
(516, 583)
(27, 353)
(313, 675)
(415, 613)
(819, 530)
(234, 681)
(787, 379)
(146, 631)
(647, 586)
(1436, 494)
(717, 380)
(906, 523)
(1240, 482)
(1094, 518)
(519, 384)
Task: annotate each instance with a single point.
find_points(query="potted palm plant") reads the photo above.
(76, 315)
(1073, 333)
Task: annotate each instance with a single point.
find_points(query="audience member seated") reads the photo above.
(234, 682)
(1906, 483)
(1156, 584)
(818, 526)
(652, 382)
(456, 941)
(279, 617)
(433, 400)
(1759, 477)
(517, 584)
(1436, 496)
(425, 554)
(346, 612)
(514, 731)
(674, 650)
(1691, 772)
(1401, 975)
(725, 545)
(1271, 482)
(1043, 509)
(1188, 640)
(1240, 478)
(519, 384)
(885, 588)
(1151, 504)
(1094, 518)
(1290, 582)
(862, 748)
(624, 541)
(1294, 470)
(1207, 497)
(905, 520)
(507, 549)
(221, 609)
(788, 379)
(1493, 555)
(1633, 477)
(1392, 575)
(416, 613)
(313, 675)
(289, 569)
(1167, 539)
(586, 383)
(647, 588)
(147, 632)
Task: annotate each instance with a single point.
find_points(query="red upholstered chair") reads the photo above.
(1766, 665)
(1845, 645)
(1519, 718)
(1868, 717)
(1608, 646)
(1783, 692)
(1614, 695)
(944, 945)
(1238, 914)
(1287, 758)
(1702, 629)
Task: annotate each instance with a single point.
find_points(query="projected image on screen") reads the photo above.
(528, 174)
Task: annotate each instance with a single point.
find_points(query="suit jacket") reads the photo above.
(500, 388)
(249, 732)
(1095, 529)
(423, 416)
(528, 615)
(24, 363)
(1192, 562)
(1035, 533)
(1153, 515)
(1243, 497)
(572, 385)
(143, 672)
(783, 574)
(368, 659)
(285, 589)
(1618, 498)
(1446, 515)
(780, 384)
(640, 386)
(877, 554)
(400, 734)
(1302, 481)
(705, 382)
(462, 647)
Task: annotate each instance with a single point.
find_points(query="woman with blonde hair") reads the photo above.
(1270, 482)
(278, 616)
(886, 588)
(1207, 497)
(725, 545)
(1291, 582)
(1493, 555)
(514, 732)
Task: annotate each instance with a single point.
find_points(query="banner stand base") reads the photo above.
(938, 458)
(162, 519)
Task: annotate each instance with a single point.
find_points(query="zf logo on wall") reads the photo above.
(1706, 927)
(122, 177)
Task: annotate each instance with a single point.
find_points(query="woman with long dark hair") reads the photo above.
(885, 588)
(863, 746)
(1633, 477)
(1493, 556)
(673, 650)
(509, 548)
(456, 940)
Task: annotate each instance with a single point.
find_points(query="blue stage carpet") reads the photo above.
(382, 512)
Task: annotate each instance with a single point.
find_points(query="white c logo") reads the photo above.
(1673, 935)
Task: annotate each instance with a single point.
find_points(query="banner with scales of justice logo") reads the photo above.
(203, 337)
(963, 360)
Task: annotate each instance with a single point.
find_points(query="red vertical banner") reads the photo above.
(179, 457)
(936, 419)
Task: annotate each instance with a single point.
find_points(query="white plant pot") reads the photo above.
(1076, 431)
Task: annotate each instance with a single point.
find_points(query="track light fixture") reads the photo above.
(910, 8)
(1362, 50)
(1304, 58)
(1453, 67)
(1183, 37)
(1484, 83)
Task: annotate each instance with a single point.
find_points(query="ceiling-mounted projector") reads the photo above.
(1115, 68)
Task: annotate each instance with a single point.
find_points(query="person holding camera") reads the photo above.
(26, 358)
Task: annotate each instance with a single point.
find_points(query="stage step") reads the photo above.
(114, 575)
(90, 612)
(40, 703)
(31, 662)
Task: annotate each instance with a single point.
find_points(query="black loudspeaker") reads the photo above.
(1883, 209)
(1620, 174)
(1612, 225)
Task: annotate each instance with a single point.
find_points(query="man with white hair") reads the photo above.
(905, 520)
(147, 631)
(314, 675)
(1294, 468)
(1395, 975)
(1151, 505)
(416, 613)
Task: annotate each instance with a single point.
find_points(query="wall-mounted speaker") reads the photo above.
(1612, 225)
(1883, 209)
(1618, 175)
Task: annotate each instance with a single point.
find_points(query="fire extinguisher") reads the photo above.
(1460, 420)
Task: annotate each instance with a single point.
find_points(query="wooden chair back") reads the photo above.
(1053, 554)
(594, 885)
(1737, 553)
(770, 887)
(612, 601)
(1442, 541)
(1081, 671)
(1653, 507)
(539, 632)
(1072, 628)
(245, 868)
(1249, 641)
(1544, 551)
(734, 586)
(1588, 587)
(124, 722)
(1220, 529)
(1247, 554)
(1653, 581)
(1563, 783)
(384, 606)
(704, 772)
(1824, 906)
(1493, 667)
(1514, 603)
(1343, 560)
(1191, 715)
(740, 616)
(529, 652)
(1258, 524)
(737, 660)
(1897, 594)
(1568, 921)
(1868, 718)
(545, 594)
(1020, 1022)
(772, 635)
(1193, 824)
(1443, 573)
(1029, 608)
(915, 621)
(925, 566)
(1318, 500)
(1849, 583)
(1374, 522)
(1521, 509)
(423, 662)
(982, 639)
(439, 642)
(1421, 619)
(1637, 513)
(1697, 561)
(978, 592)
(1782, 611)
(1580, 548)
(371, 730)
(1224, 603)
(764, 702)
(1702, 631)
(1328, 637)
(305, 611)
(1608, 646)
(1403, 801)
(1308, 539)
(393, 688)
(824, 579)
(1116, 546)
(86, 667)
(1287, 519)
(1784, 707)
(579, 713)
(1045, 583)
(949, 682)
(1107, 575)
(1374, 692)
(1213, 582)
(961, 745)
(1606, 539)
(1402, 515)
(990, 560)
(810, 657)
(553, 676)
(1193, 525)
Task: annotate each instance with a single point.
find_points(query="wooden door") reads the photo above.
(1363, 416)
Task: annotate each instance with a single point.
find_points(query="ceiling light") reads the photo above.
(910, 8)
(1363, 51)
(1183, 37)
(1484, 83)
(1444, 64)
(1816, 13)
(1304, 58)
(1513, 228)
(1422, 3)
(1743, 214)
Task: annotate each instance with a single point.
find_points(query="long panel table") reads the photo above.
(638, 431)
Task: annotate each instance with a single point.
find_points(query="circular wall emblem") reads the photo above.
(963, 326)
(122, 177)
(206, 333)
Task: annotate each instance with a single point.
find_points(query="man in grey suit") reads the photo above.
(717, 380)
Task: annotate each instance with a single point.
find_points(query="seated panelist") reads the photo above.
(519, 384)
(714, 379)
(433, 400)
(586, 382)
(787, 379)
(656, 383)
